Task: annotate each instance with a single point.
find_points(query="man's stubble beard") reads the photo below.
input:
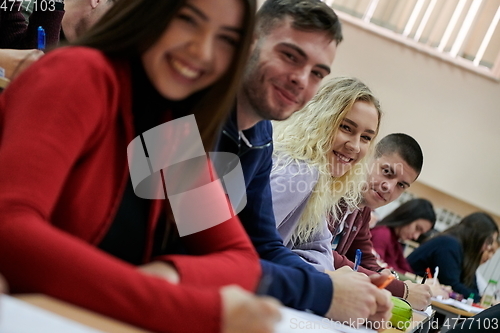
(252, 87)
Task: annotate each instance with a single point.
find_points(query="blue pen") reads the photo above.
(357, 261)
(41, 38)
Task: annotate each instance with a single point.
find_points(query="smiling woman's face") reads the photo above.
(353, 138)
(196, 49)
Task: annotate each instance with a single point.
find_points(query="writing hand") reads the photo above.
(419, 295)
(356, 298)
(244, 312)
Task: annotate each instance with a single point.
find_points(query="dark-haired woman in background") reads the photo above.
(407, 222)
(71, 225)
(457, 252)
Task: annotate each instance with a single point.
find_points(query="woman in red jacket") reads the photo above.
(71, 225)
(407, 222)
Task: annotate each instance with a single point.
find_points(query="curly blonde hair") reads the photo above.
(308, 136)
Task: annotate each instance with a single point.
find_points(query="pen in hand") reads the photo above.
(436, 272)
(357, 260)
(426, 274)
(41, 39)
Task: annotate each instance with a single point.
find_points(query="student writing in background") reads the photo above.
(407, 222)
(457, 252)
(79, 16)
(18, 40)
(487, 255)
(410, 220)
(65, 188)
(318, 158)
(15, 33)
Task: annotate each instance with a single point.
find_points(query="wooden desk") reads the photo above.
(451, 313)
(79, 315)
(4, 82)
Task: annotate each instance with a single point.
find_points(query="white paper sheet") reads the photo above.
(17, 316)
(294, 321)
(458, 304)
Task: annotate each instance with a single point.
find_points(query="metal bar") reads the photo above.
(451, 25)
(413, 17)
(425, 19)
(371, 9)
(465, 28)
(496, 66)
(487, 38)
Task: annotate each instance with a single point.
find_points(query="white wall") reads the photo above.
(453, 113)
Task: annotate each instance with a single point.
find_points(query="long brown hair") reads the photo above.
(409, 212)
(130, 27)
(473, 232)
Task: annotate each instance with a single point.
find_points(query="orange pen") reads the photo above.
(386, 282)
(427, 274)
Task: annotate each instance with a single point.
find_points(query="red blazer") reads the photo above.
(356, 235)
(386, 243)
(65, 124)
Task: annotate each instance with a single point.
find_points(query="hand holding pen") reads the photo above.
(381, 281)
(357, 296)
(426, 275)
(357, 260)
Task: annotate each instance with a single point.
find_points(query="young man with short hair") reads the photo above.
(397, 164)
(294, 47)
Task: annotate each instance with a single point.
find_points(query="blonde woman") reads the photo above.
(318, 159)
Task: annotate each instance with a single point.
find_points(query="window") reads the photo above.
(467, 29)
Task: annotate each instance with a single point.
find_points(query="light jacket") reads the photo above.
(291, 188)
